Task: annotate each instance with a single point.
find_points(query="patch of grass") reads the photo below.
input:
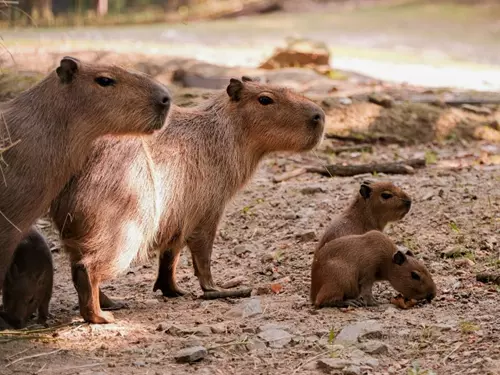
(410, 243)
(468, 327)
(417, 370)
(454, 227)
(430, 157)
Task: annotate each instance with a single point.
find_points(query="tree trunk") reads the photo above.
(102, 7)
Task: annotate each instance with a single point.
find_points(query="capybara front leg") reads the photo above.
(166, 281)
(108, 304)
(201, 244)
(88, 296)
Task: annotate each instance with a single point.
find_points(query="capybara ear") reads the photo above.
(365, 190)
(399, 257)
(246, 79)
(367, 182)
(67, 69)
(234, 89)
(409, 253)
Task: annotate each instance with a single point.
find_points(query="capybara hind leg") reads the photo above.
(165, 281)
(201, 244)
(43, 311)
(109, 304)
(329, 297)
(88, 296)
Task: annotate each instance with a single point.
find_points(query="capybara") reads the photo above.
(50, 129)
(28, 283)
(344, 271)
(374, 206)
(163, 192)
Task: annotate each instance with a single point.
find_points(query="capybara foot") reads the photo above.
(171, 290)
(103, 317)
(107, 304)
(227, 293)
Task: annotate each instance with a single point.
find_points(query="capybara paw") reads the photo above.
(114, 306)
(104, 317)
(170, 291)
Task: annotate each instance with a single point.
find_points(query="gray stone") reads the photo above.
(306, 236)
(243, 249)
(330, 364)
(139, 363)
(218, 328)
(269, 326)
(202, 331)
(276, 338)
(246, 309)
(163, 326)
(373, 347)
(255, 345)
(352, 370)
(351, 334)
(192, 354)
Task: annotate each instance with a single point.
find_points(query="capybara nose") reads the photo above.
(318, 119)
(407, 202)
(430, 296)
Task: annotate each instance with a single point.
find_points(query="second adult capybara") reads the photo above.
(28, 283)
(344, 271)
(374, 205)
(170, 190)
(50, 129)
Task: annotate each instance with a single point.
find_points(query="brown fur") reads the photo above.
(369, 211)
(56, 122)
(28, 283)
(344, 271)
(170, 190)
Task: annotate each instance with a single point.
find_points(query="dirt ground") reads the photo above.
(267, 238)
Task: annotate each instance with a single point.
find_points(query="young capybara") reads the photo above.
(28, 283)
(171, 189)
(344, 271)
(52, 126)
(373, 207)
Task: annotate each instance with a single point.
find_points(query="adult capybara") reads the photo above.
(170, 190)
(50, 129)
(28, 283)
(374, 205)
(345, 269)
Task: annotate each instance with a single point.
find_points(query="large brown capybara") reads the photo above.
(50, 129)
(164, 192)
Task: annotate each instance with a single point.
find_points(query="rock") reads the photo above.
(330, 364)
(345, 101)
(476, 109)
(234, 282)
(218, 328)
(351, 334)
(381, 99)
(311, 190)
(246, 309)
(139, 363)
(352, 370)
(276, 338)
(177, 330)
(373, 347)
(255, 345)
(269, 326)
(192, 354)
(299, 53)
(243, 249)
(202, 330)
(454, 252)
(290, 216)
(163, 326)
(306, 236)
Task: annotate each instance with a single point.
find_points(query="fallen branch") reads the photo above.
(356, 148)
(488, 278)
(32, 356)
(368, 137)
(240, 293)
(401, 167)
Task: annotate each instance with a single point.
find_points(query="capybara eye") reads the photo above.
(105, 81)
(386, 195)
(265, 100)
(415, 276)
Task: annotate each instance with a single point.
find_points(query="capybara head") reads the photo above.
(277, 119)
(410, 277)
(21, 296)
(107, 94)
(385, 200)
